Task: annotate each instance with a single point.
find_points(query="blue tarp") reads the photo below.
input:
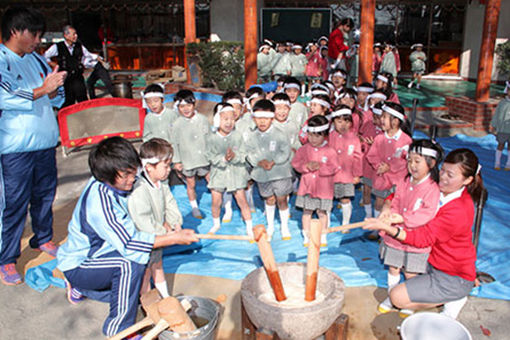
(351, 256)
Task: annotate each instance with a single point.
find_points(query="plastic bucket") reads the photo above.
(203, 309)
(432, 326)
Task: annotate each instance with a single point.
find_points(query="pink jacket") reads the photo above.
(418, 205)
(394, 98)
(348, 150)
(368, 129)
(314, 64)
(393, 151)
(317, 184)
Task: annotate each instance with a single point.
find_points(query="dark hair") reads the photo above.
(365, 85)
(292, 80)
(154, 88)
(22, 18)
(185, 95)
(319, 121)
(220, 105)
(403, 124)
(254, 89)
(346, 117)
(323, 97)
(156, 148)
(264, 105)
(111, 156)
(346, 21)
(469, 165)
(418, 144)
(281, 96)
(389, 90)
(231, 95)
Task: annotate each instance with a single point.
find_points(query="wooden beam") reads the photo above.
(250, 42)
(366, 48)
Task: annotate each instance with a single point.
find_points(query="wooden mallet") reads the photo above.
(266, 253)
(312, 262)
(224, 237)
(173, 316)
(392, 220)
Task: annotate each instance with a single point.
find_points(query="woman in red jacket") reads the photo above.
(336, 43)
(451, 272)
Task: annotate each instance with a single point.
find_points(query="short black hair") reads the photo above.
(254, 89)
(154, 88)
(281, 96)
(264, 105)
(232, 95)
(345, 117)
(185, 95)
(219, 106)
(319, 121)
(22, 18)
(111, 156)
(292, 80)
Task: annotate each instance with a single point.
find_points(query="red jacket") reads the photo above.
(336, 43)
(450, 236)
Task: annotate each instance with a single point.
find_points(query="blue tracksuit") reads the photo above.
(105, 255)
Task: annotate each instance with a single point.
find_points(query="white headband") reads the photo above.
(319, 128)
(393, 112)
(376, 111)
(425, 152)
(319, 86)
(339, 73)
(365, 89)
(292, 86)
(479, 168)
(383, 78)
(264, 46)
(221, 109)
(507, 87)
(281, 101)
(234, 101)
(150, 95)
(416, 45)
(341, 112)
(294, 47)
(378, 95)
(263, 114)
(316, 92)
(321, 102)
(153, 160)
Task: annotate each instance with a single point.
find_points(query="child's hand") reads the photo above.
(270, 165)
(383, 168)
(229, 155)
(265, 164)
(313, 166)
(178, 166)
(385, 216)
(177, 227)
(369, 140)
(356, 180)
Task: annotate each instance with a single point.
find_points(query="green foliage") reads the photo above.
(503, 52)
(221, 63)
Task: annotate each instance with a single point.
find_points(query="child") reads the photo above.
(388, 153)
(349, 97)
(383, 83)
(316, 161)
(264, 64)
(417, 58)
(388, 64)
(188, 139)
(281, 63)
(376, 59)
(338, 78)
(153, 208)
(348, 151)
(370, 131)
(323, 41)
(298, 63)
(298, 111)
(268, 151)
(363, 91)
(501, 123)
(282, 122)
(319, 106)
(313, 67)
(416, 199)
(225, 152)
(105, 256)
(323, 61)
(159, 119)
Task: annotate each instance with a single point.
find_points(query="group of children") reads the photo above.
(320, 150)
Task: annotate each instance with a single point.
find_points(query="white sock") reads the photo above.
(453, 308)
(216, 222)
(368, 210)
(270, 211)
(346, 213)
(328, 219)
(194, 204)
(393, 280)
(507, 162)
(284, 218)
(377, 213)
(498, 158)
(227, 201)
(249, 228)
(162, 289)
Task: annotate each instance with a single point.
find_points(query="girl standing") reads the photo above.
(417, 58)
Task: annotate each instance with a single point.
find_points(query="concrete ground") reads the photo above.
(27, 314)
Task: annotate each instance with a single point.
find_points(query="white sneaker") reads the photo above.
(404, 313)
(410, 85)
(270, 232)
(324, 240)
(385, 307)
(214, 229)
(227, 217)
(306, 240)
(285, 233)
(418, 86)
(249, 232)
(195, 212)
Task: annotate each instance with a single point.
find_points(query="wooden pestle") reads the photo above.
(266, 253)
(224, 237)
(312, 262)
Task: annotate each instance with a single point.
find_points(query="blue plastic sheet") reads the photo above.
(41, 277)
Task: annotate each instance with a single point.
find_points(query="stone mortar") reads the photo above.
(293, 323)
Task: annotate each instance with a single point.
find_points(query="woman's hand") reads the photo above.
(376, 224)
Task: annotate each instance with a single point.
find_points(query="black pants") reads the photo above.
(74, 87)
(99, 73)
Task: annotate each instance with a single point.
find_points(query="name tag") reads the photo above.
(399, 152)
(417, 204)
(324, 159)
(350, 150)
(272, 145)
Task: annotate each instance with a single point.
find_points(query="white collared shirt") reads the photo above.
(395, 137)
(450, 197)
(89, 60)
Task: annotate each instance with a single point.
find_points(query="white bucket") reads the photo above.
(432, 326)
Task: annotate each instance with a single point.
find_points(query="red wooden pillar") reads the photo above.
(190, 32)
(490, 30)
(250, 42)
(366, 47)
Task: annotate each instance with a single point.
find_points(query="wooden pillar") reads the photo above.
(250, 42)
(190, 31)
(366, 47)
(490, 30)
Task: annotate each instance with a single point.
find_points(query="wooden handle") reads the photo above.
(266, 253)
(172, 311)
(224, 237)
(154, 332)
(346, 227)
(312, 262)
(147, 321)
